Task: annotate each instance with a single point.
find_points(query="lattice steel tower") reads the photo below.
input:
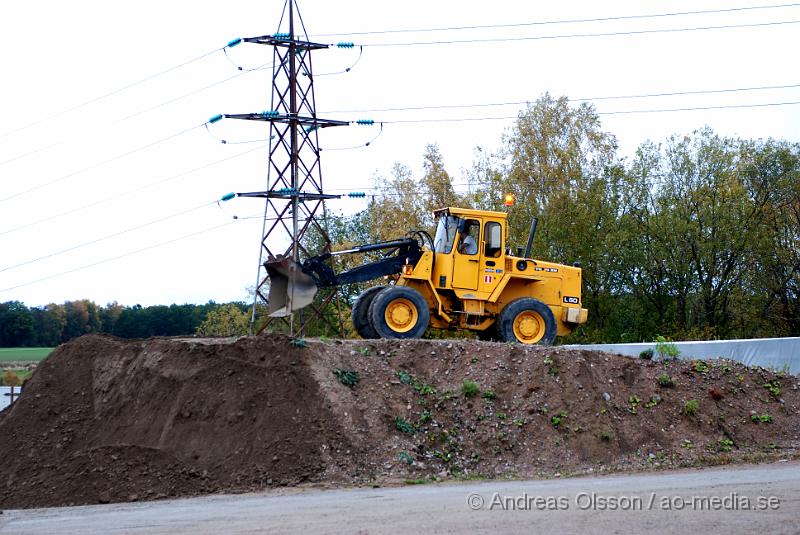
(295, 201)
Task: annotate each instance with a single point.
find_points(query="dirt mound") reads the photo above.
(104, 419)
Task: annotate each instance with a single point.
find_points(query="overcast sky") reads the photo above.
(70, 180)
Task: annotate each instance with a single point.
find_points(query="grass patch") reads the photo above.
(470, 388)
(690, 407)
(666, 381)
(21, 354)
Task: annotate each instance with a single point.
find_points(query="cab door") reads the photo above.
(492, 261)
(466, 258)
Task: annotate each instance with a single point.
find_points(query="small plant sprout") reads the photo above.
(606, 435)
(298, 342)
(690, 407)
(348, 378)
(558, 418)
(405, 457)
(666, 381)
(687, 444)
(654, 400)
(502, 416)
(666, 349)
(405, 377)
(489, 394)
(364, 351)
(725, 445)
(424, 390)
(425, 417)
(700, 366)
(404, 425)
(774, 388)
(552, 367)
(470, 388)
(647, 354)
(634, 401)
(761, 418)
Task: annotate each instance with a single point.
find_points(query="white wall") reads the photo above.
(777, 353)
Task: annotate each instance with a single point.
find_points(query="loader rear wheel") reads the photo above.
(527, 321)
(361, 312)
(399, 312)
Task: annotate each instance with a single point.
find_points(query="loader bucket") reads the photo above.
(290, 289)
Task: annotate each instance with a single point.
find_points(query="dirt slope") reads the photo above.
(105, 419)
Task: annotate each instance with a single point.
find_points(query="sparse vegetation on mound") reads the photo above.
(105, 419)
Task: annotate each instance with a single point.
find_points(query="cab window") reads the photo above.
(494, 240)
(445, 234)
(468, 241)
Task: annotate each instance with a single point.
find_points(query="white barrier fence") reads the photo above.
(777, 353)
(8, 395)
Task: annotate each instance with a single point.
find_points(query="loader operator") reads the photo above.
(468, 243)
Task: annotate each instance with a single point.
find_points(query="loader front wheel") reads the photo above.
(361, 312)
(527, 321)
(399, 312)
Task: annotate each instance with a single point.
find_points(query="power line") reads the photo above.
(578, 35)
(619, 112)
(583, 99)
(140, 112)
(107, 237)
(568, 21)
(137, 251)
(728, 106)
(112, 93)
(186, 95)
(130, 191)
(101, 163)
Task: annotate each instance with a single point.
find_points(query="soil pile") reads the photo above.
(107, 420)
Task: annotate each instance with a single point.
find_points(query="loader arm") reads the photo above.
(294, 286)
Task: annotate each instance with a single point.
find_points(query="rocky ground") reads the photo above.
(109, 420)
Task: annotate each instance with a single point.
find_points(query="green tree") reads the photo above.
(227, 320)
(562, 167)
(703, 211)
(16, 324)
(398, 207)
(436, 185)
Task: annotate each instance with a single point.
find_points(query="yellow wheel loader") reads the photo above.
(465, 277)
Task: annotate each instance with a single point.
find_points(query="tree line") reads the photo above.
(695, 237)
(53, 324)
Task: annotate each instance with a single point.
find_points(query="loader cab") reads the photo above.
(474, 241)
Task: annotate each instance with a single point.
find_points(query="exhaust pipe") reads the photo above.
(289, 288)
(530, 237)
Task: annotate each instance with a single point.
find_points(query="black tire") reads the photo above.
(412, 313)
(360, 312)
(529, 315)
